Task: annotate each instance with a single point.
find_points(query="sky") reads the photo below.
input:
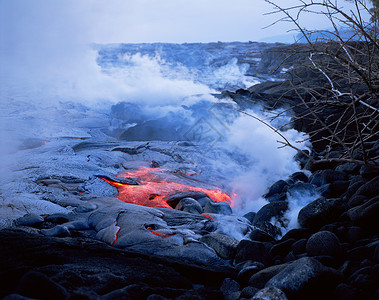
(131, 21)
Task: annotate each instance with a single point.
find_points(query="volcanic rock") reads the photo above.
(323, 243)
(229, 286)
(224, 245)
(366, 214)
(321, 177)
(189, 205)
(302, 279)
(218, 208)
(29, 220)
(260, 236)
(276, 188)
(269, 211)
(369, 189)
(281, 248)
(270, 293)
(296, 177)
(248, 292)
(259, 279)
(251, 250)
(318, 213)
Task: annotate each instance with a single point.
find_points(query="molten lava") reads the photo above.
(154, 187)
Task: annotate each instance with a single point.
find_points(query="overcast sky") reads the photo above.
(108, 21)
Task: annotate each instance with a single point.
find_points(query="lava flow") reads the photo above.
(154, 188)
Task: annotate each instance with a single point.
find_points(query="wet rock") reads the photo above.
(318, 213)
(37, 285)
(229, 286)
(251, 250)
(338, 188)
(259, 279)
(281, 248)
(301, 188)
(323, 243)
(225, 246)
(324, 190)
(16, 297)
(296, 177)
(218, 208)
(369, 189)
(368, 172)
(366, 214)
(248, 292)
(322, 177)
(297, 234)
(269, 211)
(260, 236)
(270, 293)
(349, 168)
(302, 279)
(276, 188)
(301, 158)
(29, 220)
(250, 216)
(299, 246)
(365, 278)
(189, 205)
(245, 273)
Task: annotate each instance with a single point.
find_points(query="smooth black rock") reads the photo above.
(250, 216)
(260, 236)
(267, 212)
(298, 247)
(300, 189)
(368, 172)
(297, 234)
(338, 188)
(251, 250)
(323, 243)
(366, 214)
(349, 168)
(365, 278)
(248, 292)
(189, 205)
(270, 292)
(276, 188)
(303, 278)
(259, 279)
(324, 190)
(369, 189)
(218, 208)
(297, 176)
(322, 177)
(281, 248)
(229, 286)
(225, 246)
(244, 275)
(318, 213)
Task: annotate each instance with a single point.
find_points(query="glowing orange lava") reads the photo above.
(154, 187)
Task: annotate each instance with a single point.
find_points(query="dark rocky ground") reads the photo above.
(333, 255)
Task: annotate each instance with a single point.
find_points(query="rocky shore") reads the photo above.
(334, 254)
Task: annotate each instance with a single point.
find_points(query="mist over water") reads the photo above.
(55, 83)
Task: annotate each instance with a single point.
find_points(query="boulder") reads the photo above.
(269, 211)
(259, 279)
(225, 246)
(29, 220)
(303, 278)
(217, 208)
(321, 177)
(189, 205)
(251, 250)
(318, 213)
(270, 293)
(323, 243)
(366, 214)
